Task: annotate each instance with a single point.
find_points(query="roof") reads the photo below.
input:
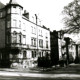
(13, 2)
(1, 5)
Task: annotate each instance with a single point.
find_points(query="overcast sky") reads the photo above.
(49, 11)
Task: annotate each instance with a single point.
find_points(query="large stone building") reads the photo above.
(22, 41)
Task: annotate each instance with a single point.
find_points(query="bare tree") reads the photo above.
(72, 17)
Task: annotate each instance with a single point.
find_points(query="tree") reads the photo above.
(72, 17)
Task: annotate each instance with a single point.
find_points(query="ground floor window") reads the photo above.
(33, 54)
(24, 54)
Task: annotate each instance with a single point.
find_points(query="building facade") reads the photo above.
(21, 40)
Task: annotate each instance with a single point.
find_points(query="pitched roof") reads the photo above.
(2, 5)
(13, 2)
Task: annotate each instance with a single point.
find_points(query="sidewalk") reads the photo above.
(38, 72)
(38, 75)
(32, 70)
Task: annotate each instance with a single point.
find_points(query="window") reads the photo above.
(14, 37)
(14, 23)
(0, 14)
(24, 27)
(14, 6)
(33, 54)
(24, 54)
(40, 32)
(8, 38)
(46, 35)
(9, 10)
(8, 24)
(20, 24)
(32, 18)
(33, 30)
(20, 10)
(14, 9)
(33, 42)
(41, 43)
(24, 39)
(46, 44)
(19, 38)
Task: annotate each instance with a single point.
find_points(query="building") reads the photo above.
(71, 50)
(61, 45)
(57, 42)
(22, 41)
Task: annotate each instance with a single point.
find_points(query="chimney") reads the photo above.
(26, 14)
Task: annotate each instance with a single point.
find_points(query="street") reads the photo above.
(72, 72)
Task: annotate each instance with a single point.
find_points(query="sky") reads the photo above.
(48, 11)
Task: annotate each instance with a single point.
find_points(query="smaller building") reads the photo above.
(70, 49)
(56, 38)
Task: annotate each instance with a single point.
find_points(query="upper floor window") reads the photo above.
(14, 23)
(33, 54)
(14, 37)
(32, 19)
(40, 43)
(33, 41)
(24, 27)
(20, 24)
(8, 37)
(46, 44)
(14, 9)
(20, 11)
(9, 10)
(8, 24)
(20, 38)
(40, 32)
(46, 35)
(1, 14)
(33, 30)
(24, 39)
(24, 54)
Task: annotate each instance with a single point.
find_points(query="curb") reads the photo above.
(15, 74)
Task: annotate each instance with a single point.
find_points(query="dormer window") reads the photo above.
(14, 6)
(14, 9)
